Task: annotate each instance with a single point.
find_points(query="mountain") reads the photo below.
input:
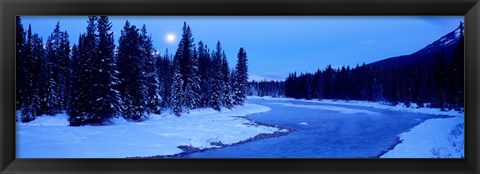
(426, 56)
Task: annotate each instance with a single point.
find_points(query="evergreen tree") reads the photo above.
(153, 95)
(85, 74)
(104, 81)
(34, 55)
(227, 98)
(203, 72)
(176, 100)
(132, 74)
(193, 90)
(54, 99)
(64, 69)
(215, 72)
(164, 67)
(75, 83)
(188, 68)
(241, 78)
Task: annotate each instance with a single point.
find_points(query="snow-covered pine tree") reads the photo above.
(34, 55)
(164, 67)
(203, 72)
(106, 98)
(241, 78)
(153, 95)
(187, 69)
(53, 99)
(227, 88)
(193, 89)
(217, 84)
(74, 92)
(177, 100)
(64, 69)
(132, 74)
(84, 74)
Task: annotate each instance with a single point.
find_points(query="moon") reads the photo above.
(170, 37)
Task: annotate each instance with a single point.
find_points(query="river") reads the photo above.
(322, 131)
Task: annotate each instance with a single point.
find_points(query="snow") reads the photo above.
(51, 137)
(434, 138)
(377, 105)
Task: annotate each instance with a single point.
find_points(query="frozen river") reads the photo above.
(322, 131)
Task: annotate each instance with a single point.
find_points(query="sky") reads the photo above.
(278, 45)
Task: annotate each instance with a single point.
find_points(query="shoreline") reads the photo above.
(369, 104)
(187, 150)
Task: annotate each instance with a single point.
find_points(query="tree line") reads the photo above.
(274, 88)
(439, 83)
(95, 80)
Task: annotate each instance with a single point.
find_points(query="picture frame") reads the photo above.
(11, 8)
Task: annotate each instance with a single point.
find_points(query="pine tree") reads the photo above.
(217, 84)
(227, 98)
(106, 101)
(34, 55)
(193, 89)
(63, 63)
(176, 100)
(188, 69)
(54, 99)
(75, 83)
(153, 95)
(132, 74)
(241, 78)
(85, 76)
(203, 71)
(164, 67)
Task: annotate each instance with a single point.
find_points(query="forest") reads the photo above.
(95, 80)
(436, 83)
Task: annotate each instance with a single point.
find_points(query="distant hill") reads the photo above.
(426, 56)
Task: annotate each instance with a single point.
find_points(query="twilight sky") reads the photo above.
(278, 45)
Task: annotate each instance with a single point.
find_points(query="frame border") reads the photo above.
(10, 8)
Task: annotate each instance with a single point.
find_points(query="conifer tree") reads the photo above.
(106, 103)
(132, 74)
(177, 100)
(227, 88)
(193, 89)
(217, 84)
(34, 55)
(241, 78)
(84, 73)
(153, 95)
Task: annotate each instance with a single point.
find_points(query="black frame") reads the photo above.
(10, 8)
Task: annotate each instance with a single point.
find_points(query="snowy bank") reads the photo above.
(376, 105)
(434, 138)
(51, 137)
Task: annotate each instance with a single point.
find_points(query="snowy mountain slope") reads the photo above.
(427, 55)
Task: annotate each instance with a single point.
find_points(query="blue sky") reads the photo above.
(278, 45)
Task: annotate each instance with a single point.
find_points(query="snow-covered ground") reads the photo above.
(51, 137)
(434, 138)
